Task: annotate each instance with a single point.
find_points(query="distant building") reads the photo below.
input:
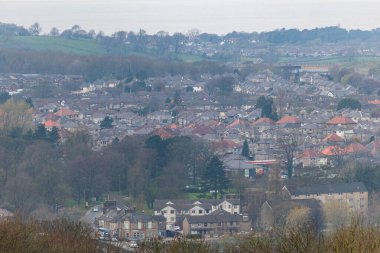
(175, 210)
(125, 223)
(218, 223)
(354, 195)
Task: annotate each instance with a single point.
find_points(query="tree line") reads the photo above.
(98, 67)
(37, 171)
(164, 40)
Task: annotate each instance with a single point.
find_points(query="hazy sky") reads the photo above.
(213, 16)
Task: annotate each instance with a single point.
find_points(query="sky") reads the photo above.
(211, 16)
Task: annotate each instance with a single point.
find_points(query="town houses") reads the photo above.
(305, 136)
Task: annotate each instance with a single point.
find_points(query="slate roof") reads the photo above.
(217, 216)
(183, 204)
(328, 188)
(186, 204)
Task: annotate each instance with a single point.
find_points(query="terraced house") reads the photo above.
(175, 210)
(354, 195)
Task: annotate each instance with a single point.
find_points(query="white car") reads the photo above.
(95, 209)
(133, 244)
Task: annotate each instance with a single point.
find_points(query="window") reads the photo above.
(200, 211)
(149, 224)
(126, 224)
(229, 206)
(172, 211)
(205, 224)
(192, 211)
(165, 211)
(139, 225)
(172, 219)
(235, 206)
(231, 223)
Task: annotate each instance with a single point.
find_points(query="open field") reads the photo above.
(47, 43)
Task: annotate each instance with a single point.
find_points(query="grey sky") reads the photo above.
(213, 16)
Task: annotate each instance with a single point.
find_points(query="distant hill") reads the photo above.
(48, 43)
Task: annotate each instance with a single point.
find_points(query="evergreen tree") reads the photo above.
(106, 122)
(245, 150)
(349, 103)
(268, 109)
(53, 135)
(40, 133)
(214, 177)
(4, 96)
(29, 101)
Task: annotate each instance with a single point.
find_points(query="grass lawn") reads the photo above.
(188, 57)
(47, 43)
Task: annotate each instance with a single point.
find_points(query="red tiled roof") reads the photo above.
(225, 144)
(374, 102)
(355, 148)
(310, 153)
(374, 148)
(64, 112)
(163, 133)
(340, 120)
(333, 138)
(263, 120)
(202, 130)
(289, 119)
(238, 123)
(173, 126)
(333, 150)
(51, 123)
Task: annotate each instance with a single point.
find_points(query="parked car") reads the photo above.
(133, 244)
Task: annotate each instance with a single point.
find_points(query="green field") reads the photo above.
(73, 46)
(47, 43)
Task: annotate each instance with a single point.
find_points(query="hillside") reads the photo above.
(48, 43)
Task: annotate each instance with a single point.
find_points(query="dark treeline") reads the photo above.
(97, 67)
(164, 40)
(37, 173)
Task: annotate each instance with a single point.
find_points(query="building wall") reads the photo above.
(356, 201)
(196, 211)
(170, 215)
(228, 207)
(211, 229)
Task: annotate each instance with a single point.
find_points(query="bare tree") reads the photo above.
(288, 145)
(54, 32)
(281, 101)
(35, 29)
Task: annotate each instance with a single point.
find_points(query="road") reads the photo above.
(90, 215)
